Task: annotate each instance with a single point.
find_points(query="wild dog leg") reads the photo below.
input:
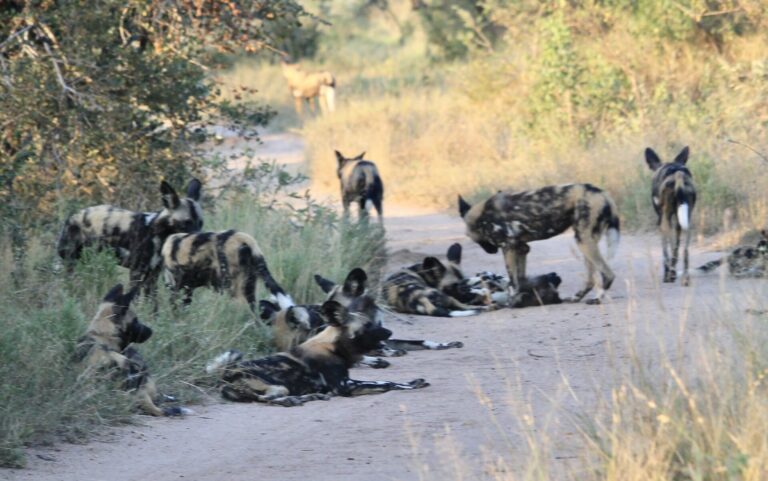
(418, 345)
(670, 268)
(352, 387)
(515, 261)
(686, 279)
(374, 362)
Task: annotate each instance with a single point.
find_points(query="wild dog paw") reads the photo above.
(378, 363)
(288, 401)
(685, 280)
(451, 345)
(418, 383)
(594, 302)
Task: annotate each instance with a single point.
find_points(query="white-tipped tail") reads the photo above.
(463, 313)
(682, 216)
(612, 241)
(222, 360)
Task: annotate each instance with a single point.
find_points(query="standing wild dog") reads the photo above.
(306, 87)
(674, 196)
(510, 220)
(744, 261)
(226, 261)
(316, 369)
(361, 183)
(429, 288)
(297, 323)
(107, 345)
(135, 237)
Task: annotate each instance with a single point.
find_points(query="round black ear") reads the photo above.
(334, 313)
(326, 285)
(355, 283)
(433, 264)
(170, 198)
(653, 160)
(193, 189)
(114, 294)
(267, 311)
(682, 157)
(454, 253)
(463, 207)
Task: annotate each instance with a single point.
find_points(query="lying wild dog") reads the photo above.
(135, 237)
(107, 345)
(744, 261)
(674, 196)
(510, 220)
(429, 288)
(226, 261)
(306, 86)
(297, 323)
(360, 183)
(315, 369)
(533, 291)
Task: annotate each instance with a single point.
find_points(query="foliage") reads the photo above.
(456, 27)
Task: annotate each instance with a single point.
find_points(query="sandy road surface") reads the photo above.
(466, 422)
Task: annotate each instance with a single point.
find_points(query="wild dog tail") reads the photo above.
(375, 193)
(613, 226)
(220, 362)
(683, 203)
(710, 266)
(255, 263)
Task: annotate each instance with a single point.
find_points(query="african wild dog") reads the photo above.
(108, 345)
(360, 183)
(295, 324)
(135, 237)
(510, 220)
(306, 86)
(434, 289)
(226, 261)
(317, 368)
(534, 291)
(674, 196)
(744, 261)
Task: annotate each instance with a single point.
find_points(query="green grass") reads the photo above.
(46, 311)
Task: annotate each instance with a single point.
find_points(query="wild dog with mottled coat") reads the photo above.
(308, 86)
(225, 261)
(534, 291)
(673, 195)
(135, 237)
(360, 183)
(107, 345)
(297, 323)
(510, 220)
(744, 261)
(317, 368)
(429, 289)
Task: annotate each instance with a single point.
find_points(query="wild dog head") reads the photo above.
(115, 324)
(179, 215)
(480, 226)
(359, 325)
(292, 325)
(342, 161)
(449, 278)
(538, 291)
(355, 285)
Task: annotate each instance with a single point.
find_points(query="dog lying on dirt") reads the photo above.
(295, 324)
(673, 195)
(135, 237)
(510, 220)
(107, 345)
(315, 369)
(360, 183)
(533, 291)
(744, 261)
(226, 261)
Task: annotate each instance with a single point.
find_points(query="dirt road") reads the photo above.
(470, 423)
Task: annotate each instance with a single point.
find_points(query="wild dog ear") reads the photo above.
(764, 233)
(434, 265)
(170, 198)
(193, 189)
(123, 303)
(354, 284)
(463, 207)
(114, 294)
(326, 285)
(554, 279)
(340, 157)
(653, 160)
(454, 253)
(360, 157)
(335, 313)
(267, 311)
(682, 157)
(131, 295)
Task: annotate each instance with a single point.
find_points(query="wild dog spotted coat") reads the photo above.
(510, 220)
(744, 261)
